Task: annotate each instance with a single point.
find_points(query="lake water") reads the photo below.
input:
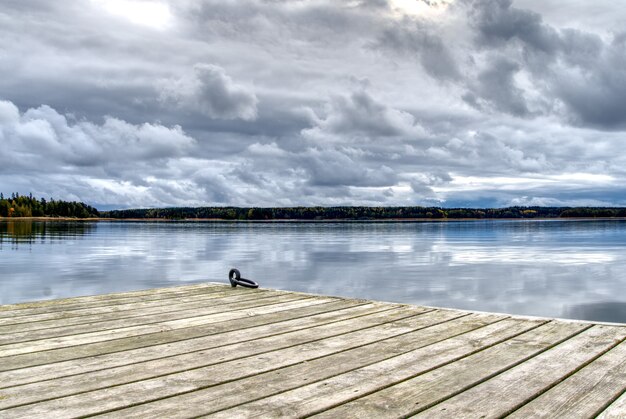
(571, 269)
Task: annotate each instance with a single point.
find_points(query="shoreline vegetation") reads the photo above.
(30, 208)
(345, 213)
(19, 206)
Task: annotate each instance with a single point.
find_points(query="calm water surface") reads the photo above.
(573, 269)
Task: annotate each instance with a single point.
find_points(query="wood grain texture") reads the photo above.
(205, 307)
(274, 382)
(273, 356)
(617, 409)
(162, 366)
(247, 309)
(416, 394)
(326, 314)
(585, 393)
(269, 314)
(511, 389)
(117, 311)
(68, 304)
(343, 388)
(216, 351)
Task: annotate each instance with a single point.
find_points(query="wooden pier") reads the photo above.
(216, 351)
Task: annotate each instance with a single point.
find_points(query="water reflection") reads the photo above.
(606, 311)
(534, 268)
(19, 232)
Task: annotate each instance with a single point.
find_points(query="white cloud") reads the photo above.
(360, 116)
(146, 13)
(45, 136)
(9, 113)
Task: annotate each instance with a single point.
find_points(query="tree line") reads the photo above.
(360, 213)
(28, 206)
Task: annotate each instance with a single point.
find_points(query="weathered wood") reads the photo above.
(424, 390)
(48, 306)
(266, 384)
(187, 361)
(617, 409)
(74, 340)
(94, 298)
(509, 390)
(339, 310)
(584, 394)
(342, 388)
(85, 315)
(19, 316)
(270, 314)
(210, 349)
(194, 379)
(203, 308)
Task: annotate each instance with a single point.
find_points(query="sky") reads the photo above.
(472, 103)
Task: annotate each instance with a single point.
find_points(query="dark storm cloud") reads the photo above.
(418, 42)
(496, 88)
(497, 22)
(311, 102)
(334, 168)
(577, 68)
(210, 91)
(597, 93)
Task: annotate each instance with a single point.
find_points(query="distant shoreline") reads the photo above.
(295, 220)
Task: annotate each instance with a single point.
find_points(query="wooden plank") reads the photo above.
(267, 315)
(190, 380)
(169, 365)
(105, 303)
(341, 310)
(424, 390)
(33, 307)
(266, 384)
(586, 393)
(74, 340)
(509, 390)
(202, 308)
(99, 297)
(113, 311)
(321, 395)
(223, 352)
(617, 409)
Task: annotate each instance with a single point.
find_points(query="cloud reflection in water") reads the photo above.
(553, 269)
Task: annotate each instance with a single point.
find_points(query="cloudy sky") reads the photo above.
(149, 103)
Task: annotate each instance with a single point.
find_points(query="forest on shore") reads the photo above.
(28, 206)
(360, 213)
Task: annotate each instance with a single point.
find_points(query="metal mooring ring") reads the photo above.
(234, 276)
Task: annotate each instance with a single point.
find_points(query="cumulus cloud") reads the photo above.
(43, 142)
(362, 116)
(210, 91)
(45, 137)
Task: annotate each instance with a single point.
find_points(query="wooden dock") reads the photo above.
(211, 350)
